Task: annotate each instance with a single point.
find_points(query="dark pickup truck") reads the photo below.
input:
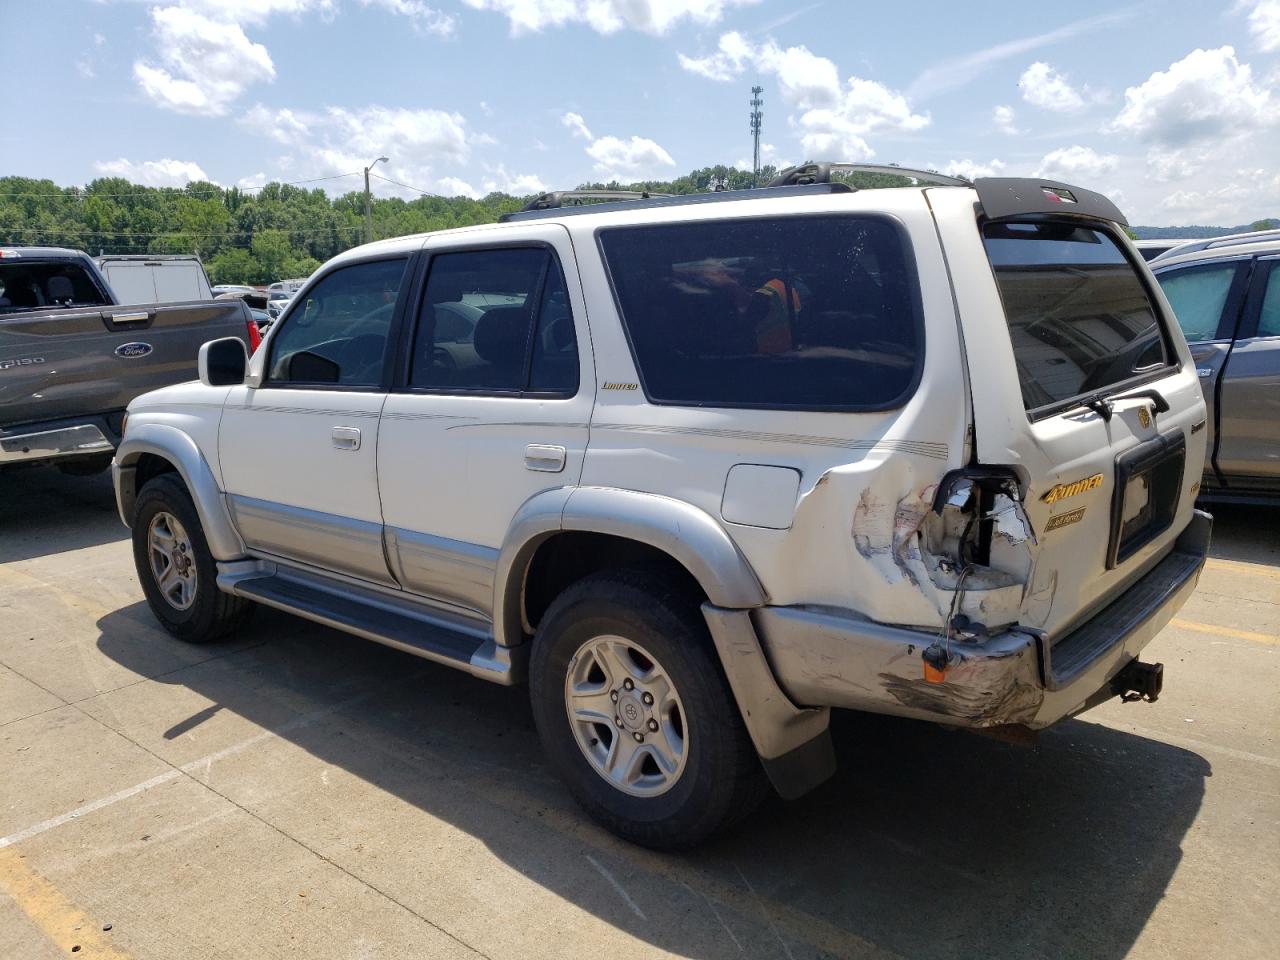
(71, 357)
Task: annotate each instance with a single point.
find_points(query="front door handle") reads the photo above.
(544, 458)
(346, 438)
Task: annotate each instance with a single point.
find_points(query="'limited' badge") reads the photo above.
(135, 349)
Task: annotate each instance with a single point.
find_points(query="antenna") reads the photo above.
(757, 118)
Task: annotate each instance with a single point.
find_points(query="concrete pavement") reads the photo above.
(300, 792)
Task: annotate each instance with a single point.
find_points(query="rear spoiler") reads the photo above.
(1009, 198)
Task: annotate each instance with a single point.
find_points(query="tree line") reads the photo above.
(281, 230)
(256, 236)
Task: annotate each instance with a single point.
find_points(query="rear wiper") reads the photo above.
(1104, 405)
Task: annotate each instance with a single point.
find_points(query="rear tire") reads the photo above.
(177, 572)
(688, 768)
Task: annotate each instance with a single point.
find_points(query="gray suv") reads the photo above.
(1226, 294)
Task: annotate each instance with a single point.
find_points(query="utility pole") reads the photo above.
(757, 117)
(368, 201)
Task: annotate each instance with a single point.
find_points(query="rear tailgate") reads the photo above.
(61, 363)
(1051, 314)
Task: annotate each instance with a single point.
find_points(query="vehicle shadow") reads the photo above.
(1250, 534)
(44, 511)
(927, 843)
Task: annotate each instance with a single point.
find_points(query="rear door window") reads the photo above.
(496, 321)
(1269, 317)
(1079, 315)
(818, 313)
(1199, 296)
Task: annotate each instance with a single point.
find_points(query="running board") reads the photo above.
(400, 622)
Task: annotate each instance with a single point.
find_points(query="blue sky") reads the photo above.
(1171, 107)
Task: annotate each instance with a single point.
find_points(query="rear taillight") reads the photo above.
(255, 335)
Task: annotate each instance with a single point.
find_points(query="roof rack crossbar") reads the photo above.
(820, 172)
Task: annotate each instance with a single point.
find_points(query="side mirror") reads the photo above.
(223, 363)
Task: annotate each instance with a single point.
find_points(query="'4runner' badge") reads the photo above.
(1064, 490)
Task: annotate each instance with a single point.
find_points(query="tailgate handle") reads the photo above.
(130, 320)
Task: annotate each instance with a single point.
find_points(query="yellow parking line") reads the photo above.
(1238, 566)
(1266, 638)
(57, 917)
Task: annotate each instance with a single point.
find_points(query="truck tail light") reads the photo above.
(255, 335)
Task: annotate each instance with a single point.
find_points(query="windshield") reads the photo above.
(36, 285)
(1078, 312)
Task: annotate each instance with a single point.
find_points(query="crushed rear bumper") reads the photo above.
(824, 657)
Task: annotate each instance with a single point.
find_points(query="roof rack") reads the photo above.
(533, 212)
(820, 172)
(1213, 243)
(565, 198)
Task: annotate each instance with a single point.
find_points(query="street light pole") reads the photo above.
(368, 202)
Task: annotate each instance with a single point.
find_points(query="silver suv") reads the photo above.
(700, 469)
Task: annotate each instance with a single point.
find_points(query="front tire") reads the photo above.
(177, 572)
(636, 716)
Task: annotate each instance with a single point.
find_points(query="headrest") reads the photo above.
(59, 290)
(501, 335)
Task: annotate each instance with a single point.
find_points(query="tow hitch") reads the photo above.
(1139, 681)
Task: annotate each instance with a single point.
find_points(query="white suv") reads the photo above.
(699, 469)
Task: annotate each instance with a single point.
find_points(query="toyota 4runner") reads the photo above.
(699, 469)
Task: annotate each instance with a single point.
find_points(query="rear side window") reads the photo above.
(1269, 318)
(496, 321)
(1198, 296)
(1079, 316)
(812, 313)
(32, 285)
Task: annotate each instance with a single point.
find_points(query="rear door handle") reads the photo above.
(346, 438)
(544, 458)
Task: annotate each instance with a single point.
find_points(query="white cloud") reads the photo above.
(426, 19)
(607, 16)
(1003, 117)
(1264, 24)
(1076, 164)
(252, 182)
(1044, 87)
(453, 187)
(517, 184)
(636, 159)
(971, 170)
(153, 173)
(768, 156)
(254, 12)
(576, 125)
(832, 119)
(1207, 94)
(283, 125)
(732, 54)
(204, 64)
(1248, 195)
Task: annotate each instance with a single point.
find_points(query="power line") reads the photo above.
(54, 231)
(409, 186)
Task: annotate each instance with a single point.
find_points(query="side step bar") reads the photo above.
(399, 622)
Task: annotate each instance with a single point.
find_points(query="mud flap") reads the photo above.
(794, 743)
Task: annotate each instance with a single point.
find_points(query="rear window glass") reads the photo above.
(808, 313)
(32, 285)
(1078, 313)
